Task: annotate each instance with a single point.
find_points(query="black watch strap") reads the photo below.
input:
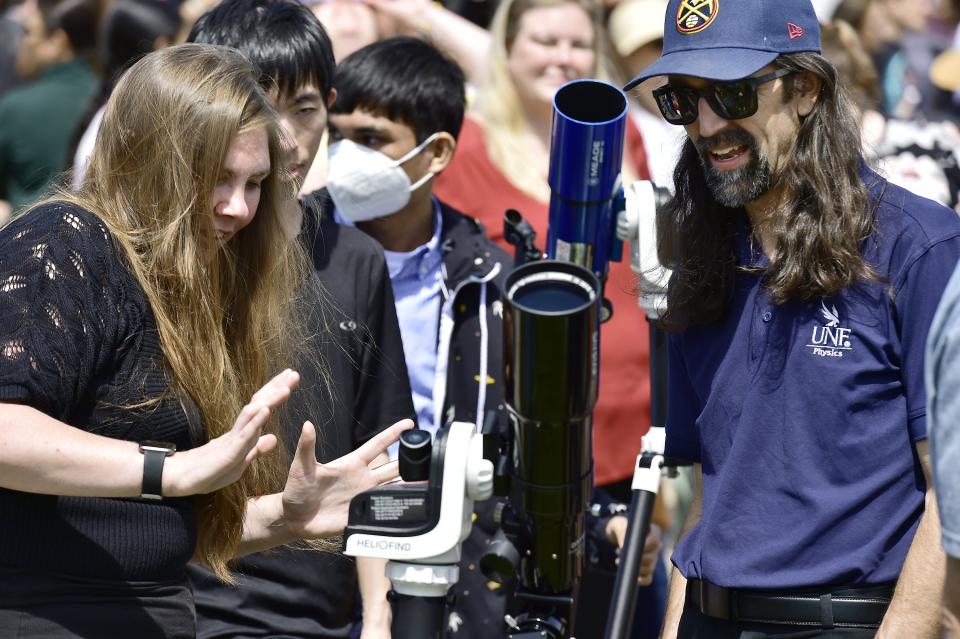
(154, 454)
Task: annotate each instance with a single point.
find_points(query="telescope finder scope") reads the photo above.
(586, 156)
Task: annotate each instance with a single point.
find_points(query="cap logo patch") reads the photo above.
(693, 16)
(794, 30)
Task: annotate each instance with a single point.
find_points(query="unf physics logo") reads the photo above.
(831, 339)
(693, 16)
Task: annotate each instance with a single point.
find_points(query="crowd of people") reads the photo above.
(245, 244)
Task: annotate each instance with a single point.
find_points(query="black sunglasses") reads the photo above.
(730, 100)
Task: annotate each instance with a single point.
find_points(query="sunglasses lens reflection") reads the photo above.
(730, 101)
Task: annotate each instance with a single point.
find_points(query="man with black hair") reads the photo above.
(394, 126)
(37, 118)
(299, 592)
(803, 289)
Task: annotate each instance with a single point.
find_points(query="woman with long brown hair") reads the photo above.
(153, 304)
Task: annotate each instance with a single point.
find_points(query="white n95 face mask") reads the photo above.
(366, 184)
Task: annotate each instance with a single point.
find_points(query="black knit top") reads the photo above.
(79, 342)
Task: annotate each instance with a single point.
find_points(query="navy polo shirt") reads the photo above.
(803, 415)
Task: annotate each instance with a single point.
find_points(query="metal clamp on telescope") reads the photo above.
(419, 526)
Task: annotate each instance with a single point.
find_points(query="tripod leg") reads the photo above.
(623, 606)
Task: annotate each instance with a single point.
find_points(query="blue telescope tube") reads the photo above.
(586, 157)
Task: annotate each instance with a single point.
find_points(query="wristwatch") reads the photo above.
(153, 455)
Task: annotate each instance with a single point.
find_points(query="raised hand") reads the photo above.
(317, 496)
(222, 460)
(410, 14)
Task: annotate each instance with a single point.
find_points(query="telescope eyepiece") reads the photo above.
(414, 455)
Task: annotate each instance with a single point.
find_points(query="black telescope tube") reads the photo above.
(551, 321)
(417, 617)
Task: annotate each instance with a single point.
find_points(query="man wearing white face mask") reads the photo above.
(392, 129)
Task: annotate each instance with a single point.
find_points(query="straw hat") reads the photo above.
(945, 70)
(634, 23)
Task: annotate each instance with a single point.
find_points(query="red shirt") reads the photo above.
(473, 185)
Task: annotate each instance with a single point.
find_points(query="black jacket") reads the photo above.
(472, 263)
(473, 269)
(306, 593)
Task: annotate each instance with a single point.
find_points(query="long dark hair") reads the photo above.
(819, 229)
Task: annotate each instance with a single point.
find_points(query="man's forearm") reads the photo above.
(677, 594)
(676, 597)
(915, 609)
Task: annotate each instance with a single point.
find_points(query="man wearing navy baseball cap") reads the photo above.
(802, 293)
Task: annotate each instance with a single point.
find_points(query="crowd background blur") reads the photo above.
(60, 58)
(65, 55)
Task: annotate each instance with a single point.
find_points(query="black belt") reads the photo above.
(833, 607)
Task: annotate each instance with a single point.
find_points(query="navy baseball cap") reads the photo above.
(731, 39)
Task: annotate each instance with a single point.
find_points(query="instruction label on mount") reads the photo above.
(405, 508)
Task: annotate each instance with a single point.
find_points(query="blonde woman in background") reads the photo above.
(141, 322)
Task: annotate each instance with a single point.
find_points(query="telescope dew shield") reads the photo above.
(586, 157)
(551, 348)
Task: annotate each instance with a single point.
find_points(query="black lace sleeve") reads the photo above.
(62, 309)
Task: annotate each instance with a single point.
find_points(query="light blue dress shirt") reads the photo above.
(417, 280)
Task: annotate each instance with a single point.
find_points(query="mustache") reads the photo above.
(727, 137)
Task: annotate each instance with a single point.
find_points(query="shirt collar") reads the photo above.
(421, 261)
(749, 251)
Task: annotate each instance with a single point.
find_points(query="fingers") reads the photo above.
(270, 395)
(652, 543)
(265, 443)
(386, 473)
(277, 390)
(646, 572)
(617, 530)
(651, 552)
(306, 456)
(381, 441)
(249, 422)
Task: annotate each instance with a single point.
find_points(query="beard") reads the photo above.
(733, 189)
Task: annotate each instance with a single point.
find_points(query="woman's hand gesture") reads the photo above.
(222, 460)
(317, 496)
